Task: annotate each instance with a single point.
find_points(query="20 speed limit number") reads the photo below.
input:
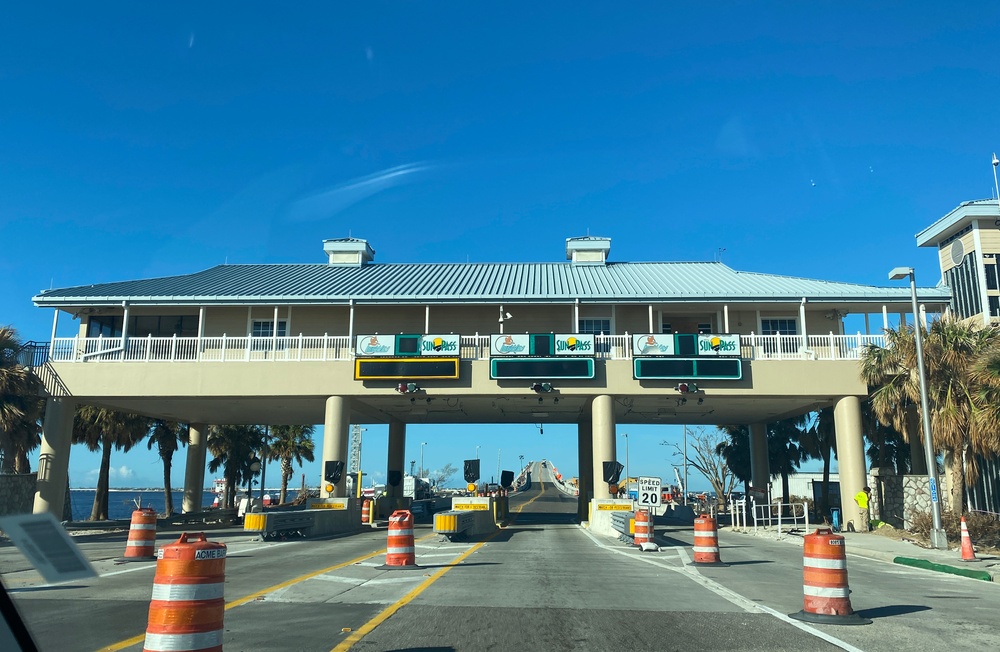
(649, 492)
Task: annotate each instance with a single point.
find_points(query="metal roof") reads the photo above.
(668, 282)
(958, 219)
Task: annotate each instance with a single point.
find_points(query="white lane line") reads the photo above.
(739, 600)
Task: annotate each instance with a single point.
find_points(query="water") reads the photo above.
(121, 502)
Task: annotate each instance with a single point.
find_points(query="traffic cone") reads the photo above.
(968, 552)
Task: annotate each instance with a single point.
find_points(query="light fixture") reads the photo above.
(701, 401)
(686, 388)
(541, 387)
(407, 388)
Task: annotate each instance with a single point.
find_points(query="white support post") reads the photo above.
(173, 348)
(300, 347)
(223, 347)
(725, 317)
(326, 336)
(885, 319)
(833, 346)
(149, 346)
(274, 336)
(201, 330)
(427, 320)
(651, 318)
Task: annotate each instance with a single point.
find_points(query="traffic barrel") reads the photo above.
(366, 511)
(399, 550)
(188, 602)
(706, 542)
(968, 552)
(643, 527)
(827, 597)
(141, 536)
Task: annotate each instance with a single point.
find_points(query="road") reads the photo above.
(542, 583)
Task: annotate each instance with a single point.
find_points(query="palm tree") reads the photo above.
(167, 436)
(958, 400)
(20, 406)
(784, 450)
(290, 444)
(736, 452)
(820, 442)
(105, 430)
(234, 448)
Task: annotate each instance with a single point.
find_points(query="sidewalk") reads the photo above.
(883, 548)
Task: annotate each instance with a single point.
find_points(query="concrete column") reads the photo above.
(53, 457)
(194, 469)
(918, 461)
(336, 426)
(585, 456)
(850, 456)
(396, 460)
(760, 469)
(603, 438)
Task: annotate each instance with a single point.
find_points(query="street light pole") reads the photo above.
(498, 465)
(627, 476)
(477, 452)
(422, 469)
(521, 459)
(939, 539)
(685, 490)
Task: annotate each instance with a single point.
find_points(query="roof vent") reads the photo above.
(348, 252)
(588, 250)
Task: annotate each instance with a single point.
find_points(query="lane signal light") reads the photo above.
(687, 388)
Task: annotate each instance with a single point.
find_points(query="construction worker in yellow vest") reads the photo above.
(862, 500)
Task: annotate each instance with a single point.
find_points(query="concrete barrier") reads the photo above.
(454, 525)
(322, 517)
(601, 512)
(481, 511)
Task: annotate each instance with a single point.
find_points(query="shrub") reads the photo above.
(984, 528)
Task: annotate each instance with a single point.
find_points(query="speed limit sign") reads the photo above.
(649, 491)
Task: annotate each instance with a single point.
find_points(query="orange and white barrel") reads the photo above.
(141, 542)
(366, 511)
(399, 550)
(643, 527)
(188, 603)
(706, 542)
(827, 596)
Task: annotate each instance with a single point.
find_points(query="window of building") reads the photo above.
(704, 329)
(994, 306)
(778, 327)
(991, 276)
(597, 327)
(666, 329)
(266, 328)
(109, 326)
(163, 326)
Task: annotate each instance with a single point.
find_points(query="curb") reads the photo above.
(988, 575)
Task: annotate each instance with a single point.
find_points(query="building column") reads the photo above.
(336, 433)
(53, 457)
(850, 456)
(585, 460)
(603, 439)
(760, 469)
(396, 459)
(918, 461)
(194, 469)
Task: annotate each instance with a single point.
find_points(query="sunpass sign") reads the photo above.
(719, 345)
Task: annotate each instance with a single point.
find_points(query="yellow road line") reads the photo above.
(121, 645)
(365, 629)
(523, 505)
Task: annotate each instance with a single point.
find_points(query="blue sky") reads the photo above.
(807, 139)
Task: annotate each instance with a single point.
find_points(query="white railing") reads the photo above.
(811, 347)
(339, 347)
(773, 514)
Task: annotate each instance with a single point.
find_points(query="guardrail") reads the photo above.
(454, 524)
(321, 348)
(624, 524)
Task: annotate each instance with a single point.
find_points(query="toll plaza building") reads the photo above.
(347, 341)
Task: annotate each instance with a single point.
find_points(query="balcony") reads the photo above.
(323, 348)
